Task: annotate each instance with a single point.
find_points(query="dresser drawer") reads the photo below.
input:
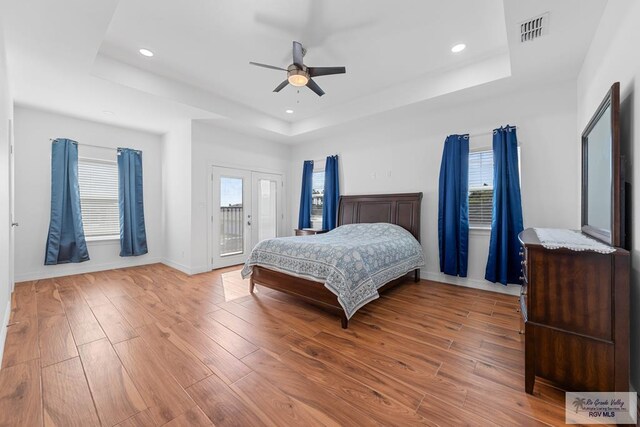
(572, 291)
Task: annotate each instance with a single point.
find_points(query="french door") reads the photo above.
(267, 206)
(247, 208)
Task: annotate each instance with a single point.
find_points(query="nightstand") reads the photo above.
(309, 232)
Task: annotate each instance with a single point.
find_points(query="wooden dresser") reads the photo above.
(575, 307)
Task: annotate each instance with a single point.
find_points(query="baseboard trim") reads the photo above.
(428, 275)
(200, 270)
(3, 328)
(82, 268)
(470, 283)
(176, 265)
(183, 268)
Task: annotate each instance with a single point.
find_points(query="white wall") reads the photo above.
(401, 152)
(6, 279)
(32, 129)
(176, 195)
(212, 145)
(613, 56)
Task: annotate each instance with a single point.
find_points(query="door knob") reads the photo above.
(249, 223)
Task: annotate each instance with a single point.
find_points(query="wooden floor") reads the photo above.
(152, 346)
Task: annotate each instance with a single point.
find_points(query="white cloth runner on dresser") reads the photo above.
(556, 238)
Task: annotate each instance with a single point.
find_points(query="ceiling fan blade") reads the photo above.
(314, 87)
(267, 66)
(325, 71)
(281, 86)
(297, 54)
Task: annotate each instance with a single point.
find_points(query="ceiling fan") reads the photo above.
(299, 74)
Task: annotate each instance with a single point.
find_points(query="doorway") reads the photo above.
(247, 208)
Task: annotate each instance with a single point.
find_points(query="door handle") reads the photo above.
(249, 223)
(14, 224)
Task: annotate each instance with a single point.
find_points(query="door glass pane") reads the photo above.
(267, 215)
(317, 198)
(231, 216)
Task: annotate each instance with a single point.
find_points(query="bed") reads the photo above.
(368, 260)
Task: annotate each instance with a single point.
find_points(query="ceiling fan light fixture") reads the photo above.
(298, 80)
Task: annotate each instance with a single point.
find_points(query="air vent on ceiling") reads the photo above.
(534, 28)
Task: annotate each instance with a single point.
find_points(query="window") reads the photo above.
(98, 180)
(480, 188)
(317, 198)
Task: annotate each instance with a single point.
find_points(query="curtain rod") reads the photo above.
(96, 146)
(491, 132)
(89, 145)
(322, 160)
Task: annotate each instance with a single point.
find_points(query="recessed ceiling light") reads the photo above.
(145, 52)
(289, 111)
(458, 48)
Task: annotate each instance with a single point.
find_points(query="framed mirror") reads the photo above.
(601, 174)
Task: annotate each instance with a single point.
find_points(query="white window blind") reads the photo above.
(480, 188)
(98, 180)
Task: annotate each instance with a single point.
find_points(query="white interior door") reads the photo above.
(231, 216)
(12, 213)
(267, 208)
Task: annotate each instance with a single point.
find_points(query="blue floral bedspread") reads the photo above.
(352, 261)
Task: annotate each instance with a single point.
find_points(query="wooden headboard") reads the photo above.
(401, 209)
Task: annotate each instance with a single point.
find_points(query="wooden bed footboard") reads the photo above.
(313, 292)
